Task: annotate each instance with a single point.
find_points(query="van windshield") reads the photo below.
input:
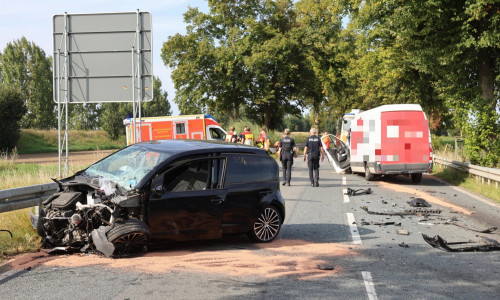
(216, 133)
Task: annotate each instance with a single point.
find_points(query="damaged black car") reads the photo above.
(165, 191)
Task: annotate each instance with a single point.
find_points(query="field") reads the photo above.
(17, 222)
(42, 141)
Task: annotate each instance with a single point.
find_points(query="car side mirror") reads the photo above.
(158, 190)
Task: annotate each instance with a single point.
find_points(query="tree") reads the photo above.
(12, 110)
(84, 116)
(25, 67)
(441, 54)
(112, 117)
(159, 106)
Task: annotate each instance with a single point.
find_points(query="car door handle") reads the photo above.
(216, 200)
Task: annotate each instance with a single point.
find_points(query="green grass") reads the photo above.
(42, 141)
(18, 175)
(467, 181)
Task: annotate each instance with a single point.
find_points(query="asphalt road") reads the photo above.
(324, 251)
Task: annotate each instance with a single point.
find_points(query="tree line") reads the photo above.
(26, 98)
(265, 60)
(268, 61)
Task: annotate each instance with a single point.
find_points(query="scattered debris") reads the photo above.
(11, 236)
(380, 223)
(438, 242)
(352, 192)
(326, 267)
(487, 230)
(418, 211)
(404, 245)
(384, 202)
(419, 202)
(402, 232)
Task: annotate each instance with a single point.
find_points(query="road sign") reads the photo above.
(105, 57)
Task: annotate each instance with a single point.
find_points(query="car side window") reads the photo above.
(191, 176)
(250, 168)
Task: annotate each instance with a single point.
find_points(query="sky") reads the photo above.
(33, 20)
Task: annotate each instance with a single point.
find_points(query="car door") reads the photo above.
(186, 202)
(337, 152)
(250, 181)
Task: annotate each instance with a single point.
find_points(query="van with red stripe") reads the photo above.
(195, 127)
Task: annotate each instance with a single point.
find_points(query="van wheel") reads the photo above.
(129, 236)
(267, 226)
(416, 177)
(368, 175)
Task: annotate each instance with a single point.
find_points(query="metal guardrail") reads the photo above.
(23, 197)
(489, 174)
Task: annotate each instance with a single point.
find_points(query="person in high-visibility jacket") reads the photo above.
(246, 137)
(263, 141)
(231, 136)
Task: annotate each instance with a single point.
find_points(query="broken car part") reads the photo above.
(352, 192)
(418, 211)
(440, 243)
(402, 232)
(419, 202)
(487, 230)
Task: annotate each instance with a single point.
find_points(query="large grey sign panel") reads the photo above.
(99, 57)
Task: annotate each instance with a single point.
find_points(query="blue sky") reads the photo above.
(33, 19)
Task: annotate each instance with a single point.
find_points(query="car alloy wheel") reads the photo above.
(267, 225)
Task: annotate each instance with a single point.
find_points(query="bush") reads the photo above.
(12, 109)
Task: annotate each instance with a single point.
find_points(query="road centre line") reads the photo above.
(370, 287)
(346, 197)
(356, 239)
(344, 180)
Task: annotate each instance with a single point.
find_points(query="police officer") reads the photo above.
(313, 150)
(287, 151)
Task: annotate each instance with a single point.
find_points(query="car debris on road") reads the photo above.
(487, 244)
(418, 211)
(353, 192)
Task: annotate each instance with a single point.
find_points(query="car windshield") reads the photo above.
(128, 166)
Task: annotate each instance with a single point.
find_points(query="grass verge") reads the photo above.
(25, 238)
(42, 141)
(467, 181)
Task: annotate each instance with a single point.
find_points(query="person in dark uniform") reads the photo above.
(313, 150)
(287, 151)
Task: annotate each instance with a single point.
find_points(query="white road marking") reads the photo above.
(8, 274)
(370, 287)
(356, 239)
(346, 197)
(344, 180)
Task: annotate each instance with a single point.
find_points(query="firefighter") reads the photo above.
(313, 150)
(263, 141)
(246, 137)
(326, 140)
(231, 136)
(287, 151)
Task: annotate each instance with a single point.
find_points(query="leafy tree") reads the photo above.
(159, 106)
(12, 110)
(84, 116)
(112, 118)
(24, 66)
(441, 54)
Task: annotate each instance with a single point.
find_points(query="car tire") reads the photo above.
(368, 175)
(416, 177)
(129, 236)
(266, 226)
(39, 224)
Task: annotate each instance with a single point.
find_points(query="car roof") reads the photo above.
(203, 146)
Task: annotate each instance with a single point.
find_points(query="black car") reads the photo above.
(163, 191)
